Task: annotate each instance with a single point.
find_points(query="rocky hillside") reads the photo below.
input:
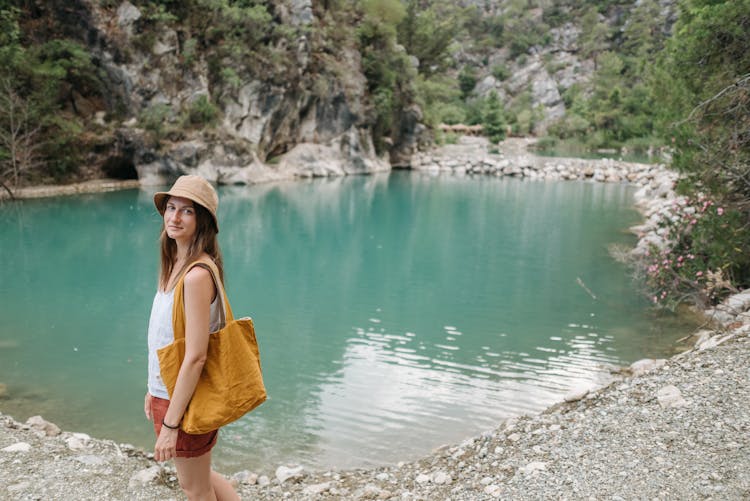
(255, 91)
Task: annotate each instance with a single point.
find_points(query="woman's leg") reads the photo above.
(222, 488)
(194, 475)
(201, 483)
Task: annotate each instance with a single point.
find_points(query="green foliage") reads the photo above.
(39, 139)
(201, 112)
(494, 120)
(387, 66)
(702, 82)
(155, 119)
(467, 80)
(704, 85)
(427, 31)
(706, 253)
(440, 100)
(594, 35)
(500, 72)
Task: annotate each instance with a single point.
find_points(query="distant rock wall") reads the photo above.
(266, 131)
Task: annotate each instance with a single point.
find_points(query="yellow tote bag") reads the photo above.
(231, 383)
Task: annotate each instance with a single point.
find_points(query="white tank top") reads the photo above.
(160, 334)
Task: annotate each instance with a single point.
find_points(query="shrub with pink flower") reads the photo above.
(707, 253)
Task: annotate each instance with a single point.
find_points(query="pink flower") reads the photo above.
(699, 274)
(679, 259)
(655, 299)
(693, 221)
(720, 211)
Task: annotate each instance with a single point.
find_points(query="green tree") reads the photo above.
(594, 35)
(494, 118)
(703, 85)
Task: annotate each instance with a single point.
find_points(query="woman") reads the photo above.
(189, 233)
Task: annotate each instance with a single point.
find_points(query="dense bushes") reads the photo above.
(703, 85)
(40, 134)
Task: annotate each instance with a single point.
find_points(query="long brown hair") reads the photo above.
(204, 240)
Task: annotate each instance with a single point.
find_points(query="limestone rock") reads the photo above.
(369, 491)
(245, 477)
(670, 396)
(144, 477)
(127, 14)
(441, 477)
(91, 460)
(645, 365)
(577, 392)
(284, 473)
(77, 441)
(43, 427)
(263, 481)
(316, 489)
(422, 478)
(533, 467)
(17, 447)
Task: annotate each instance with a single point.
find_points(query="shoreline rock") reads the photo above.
(472, 156)
(55, 190)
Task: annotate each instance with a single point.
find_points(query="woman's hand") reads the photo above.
(147, 407)
(166, 444)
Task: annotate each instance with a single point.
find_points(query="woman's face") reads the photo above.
(180, 220)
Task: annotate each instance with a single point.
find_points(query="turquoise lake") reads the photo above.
(395, 313)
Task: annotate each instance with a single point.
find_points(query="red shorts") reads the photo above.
(188, 446)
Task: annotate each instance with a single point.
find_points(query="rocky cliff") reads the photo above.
(301, 123)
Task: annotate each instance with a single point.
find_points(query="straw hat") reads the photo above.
(194, 188)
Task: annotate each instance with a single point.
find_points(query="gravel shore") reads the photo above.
(679, 431)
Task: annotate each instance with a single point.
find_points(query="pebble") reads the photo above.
(43, 427)
(316, 489)
(284, 473)
(670, 396)
(18, 447)
(422, 478)
(145, 476)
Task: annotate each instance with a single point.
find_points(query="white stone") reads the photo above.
(533, 467)
(18, 447)
(370, 492)
(246, 477)
(382, 476)
(127, 13)
(577, 392)
(316, 489)
(75, 443)
(670, 396)
(263, 480)
(493, 490)
(441, 477)
(91, 460)
(38, 424)
(284, 473)
(21, 486)
(645, 365)
(713, 342)
(144, 477)
(422, 478)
